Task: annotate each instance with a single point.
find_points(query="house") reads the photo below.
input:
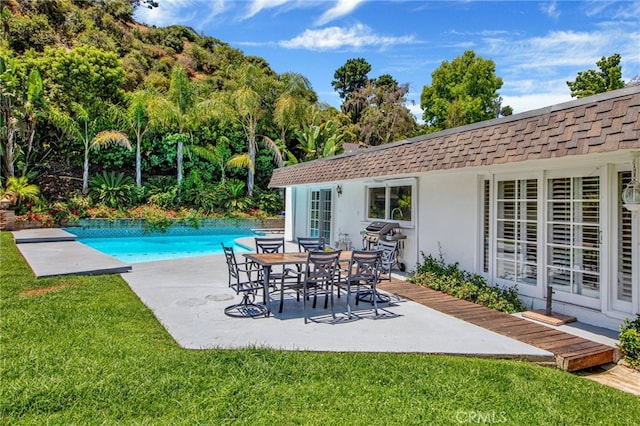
(532, 200)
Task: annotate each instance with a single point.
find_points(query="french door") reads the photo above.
(320, 214)
(573, 239)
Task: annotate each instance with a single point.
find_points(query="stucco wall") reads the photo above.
(448, 217)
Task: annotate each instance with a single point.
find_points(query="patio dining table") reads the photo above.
(268, 260)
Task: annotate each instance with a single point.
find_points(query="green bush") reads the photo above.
(630, 341)
(269, 201)
(113, 190)
(436, 274)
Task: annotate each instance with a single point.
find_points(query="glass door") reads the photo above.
(320, 214)
(573, 239)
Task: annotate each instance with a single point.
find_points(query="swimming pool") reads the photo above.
(129, 241)
(162, 247)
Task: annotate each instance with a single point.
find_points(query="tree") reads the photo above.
(384, 118)
(9, 86)
(217, 154)
(82, 127)
(591, 82)
(292, 108)
(21, 105)
(177, 110)
(246, 104)
(319, 139)
(21, 190)
(462, 91)
(351, 76)
(348, 79)
(137, 120)
(80, 85)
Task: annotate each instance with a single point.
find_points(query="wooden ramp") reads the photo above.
(571, 352)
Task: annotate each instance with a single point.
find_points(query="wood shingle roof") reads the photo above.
(602, 123)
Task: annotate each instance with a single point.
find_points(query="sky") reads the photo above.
(537, 46)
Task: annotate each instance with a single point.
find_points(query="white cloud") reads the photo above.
(256, 6)
(341, 8)
(533, 101)
(181, 12)
(550, 9)
(331, 38)
(415, 109)
(557, 49)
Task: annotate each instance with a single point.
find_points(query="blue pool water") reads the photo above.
(137, 249)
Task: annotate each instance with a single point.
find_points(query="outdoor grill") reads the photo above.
(388, 231)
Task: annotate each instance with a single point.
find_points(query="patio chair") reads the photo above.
(319, 278)
(245, 278)
(389, 257)
(284, 275)
(364, 271)
(310, 243)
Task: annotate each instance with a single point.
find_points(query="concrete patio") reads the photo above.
(188, 297)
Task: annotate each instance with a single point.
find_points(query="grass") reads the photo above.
(85, 350)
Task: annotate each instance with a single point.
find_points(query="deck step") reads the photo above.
(572, 353)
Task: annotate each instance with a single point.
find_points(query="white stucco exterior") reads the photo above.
(448, 221)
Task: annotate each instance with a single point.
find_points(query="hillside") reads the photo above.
(93, 57)
(147, 53)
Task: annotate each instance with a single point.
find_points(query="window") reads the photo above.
(573, 235)
(377, 203)
(517, 231)
(390, 202)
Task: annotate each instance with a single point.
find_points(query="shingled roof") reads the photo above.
(602, 123)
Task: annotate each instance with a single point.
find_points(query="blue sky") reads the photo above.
(536, 46)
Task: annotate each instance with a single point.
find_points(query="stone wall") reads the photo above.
(7, 220)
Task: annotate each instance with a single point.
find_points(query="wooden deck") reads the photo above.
(571, 352)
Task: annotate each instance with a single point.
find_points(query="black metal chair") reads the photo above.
(388, 257)
(364, 272)
(319, 278)
(245, 278)
(287, 278)
(269, 244)
(310, 243)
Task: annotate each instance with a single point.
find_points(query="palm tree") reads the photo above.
(178, 110)
(246, 106)
(217, 154)
(137, 118)
(81, 129)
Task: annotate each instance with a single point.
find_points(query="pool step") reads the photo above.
(42, 235)
(53, 252)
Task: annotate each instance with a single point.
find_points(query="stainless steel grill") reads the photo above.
(388, 231)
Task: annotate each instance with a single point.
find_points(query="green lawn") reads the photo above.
(89, 352)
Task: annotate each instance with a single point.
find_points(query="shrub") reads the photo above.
(630, 341)
(269, 201)
(114, 190)
(436, 274)
(155, 219)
